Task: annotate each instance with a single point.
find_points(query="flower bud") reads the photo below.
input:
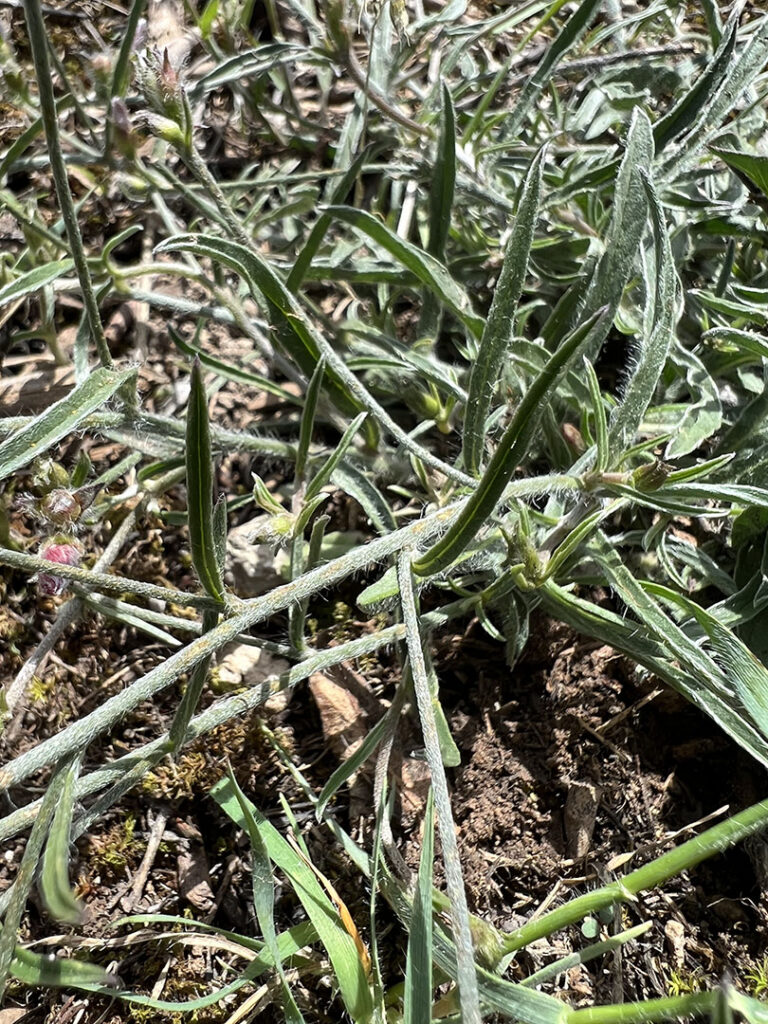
(47, 474)
(124, 135)
(651, 476)
(60, 507)
(64, 554)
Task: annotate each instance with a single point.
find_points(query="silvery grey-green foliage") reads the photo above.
(616, 227)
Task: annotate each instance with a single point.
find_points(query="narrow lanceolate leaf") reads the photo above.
(655, 348)
(307, 425)
(25, 875)
(565, 40)
(741, 668)
(41, 970)
(60, 419)
(749, 166)
(323, 222)
(200, 488)
(325, 472)
(498, 330)
(686, 110)
(59, 900)
(426, 268)
(443, 180)
(295, 333)
(742, 71)
(630, 207)
(348, 970)
(418, 966)
(34, 280)
(264, 899)
(512, 449)
(191, 696)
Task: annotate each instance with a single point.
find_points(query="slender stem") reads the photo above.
(682, 858)
(103, 581)
(39, 46)
(235, 706)
(673, 1008)
(459, 911)
(80, 734)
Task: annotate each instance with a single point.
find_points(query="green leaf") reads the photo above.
(323, 475)
(208, 17)
(738, 664)
(56, 892)
(60, 419)
(499, 327)
(630, 205)
(34, 280)
(602, 457)
(358, 486)
(443, 180)
(348, 970)
(555, 50)
(746, 165)
(191, 696)
(199, 463)
(703, 416)
(741, 72)
(41, 970)
(289, 943)
(308, 420)
(295, 333)
(642, 385)
(249, 64)
(512, 449)
(230, 372)
(351, 764)
(683, 113)
(418, 965)
(323, 222)
(429, 271)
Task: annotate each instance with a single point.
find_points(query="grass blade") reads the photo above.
(340, 946)
(499, 327)
(264, 898)
(418, 969)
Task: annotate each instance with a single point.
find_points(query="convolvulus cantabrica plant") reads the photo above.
(506, 301)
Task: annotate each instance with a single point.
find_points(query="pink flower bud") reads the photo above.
(64, 554)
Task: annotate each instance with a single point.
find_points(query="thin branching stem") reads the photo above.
(465, 954)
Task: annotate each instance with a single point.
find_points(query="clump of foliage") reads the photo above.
(513, 312)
